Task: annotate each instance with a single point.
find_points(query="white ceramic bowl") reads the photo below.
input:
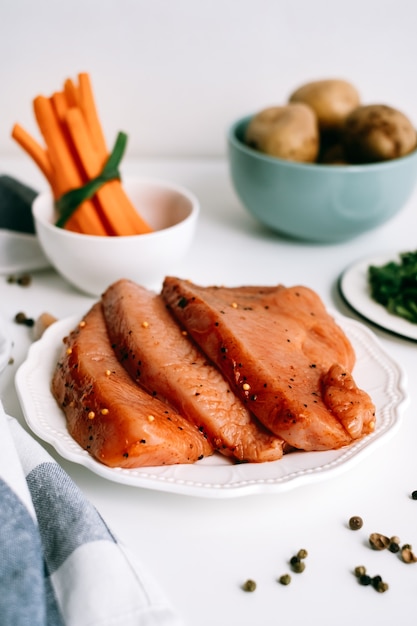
(91, 263)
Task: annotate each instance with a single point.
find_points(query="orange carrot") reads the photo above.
(89, 110)
(59, 104)
(71, 92)
(75, 153)
(66, 174)
(119, 213)
(35, 151)
(40, 157)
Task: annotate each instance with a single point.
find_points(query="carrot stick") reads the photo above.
(75, 153)
(40, 157)
(71, 92)
(66, 174)
(89, 110)
(119, 213)
(121, 202)
(34, 150)
(60, 104)
(66, 171)
(74, 224)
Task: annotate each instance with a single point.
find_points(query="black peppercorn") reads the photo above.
(364, 579)
(394, 547)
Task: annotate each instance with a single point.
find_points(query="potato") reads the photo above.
(260, 127)
(377, 132)
(333, 155)
(289, 132)
(332, 101)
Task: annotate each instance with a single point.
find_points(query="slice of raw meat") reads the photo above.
(277, 347)
(159, 355)
(110, 416)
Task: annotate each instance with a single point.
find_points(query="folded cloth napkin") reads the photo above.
(59, 562)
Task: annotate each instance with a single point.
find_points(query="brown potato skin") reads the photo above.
(288, 132)
(377, 132)
(332, 100)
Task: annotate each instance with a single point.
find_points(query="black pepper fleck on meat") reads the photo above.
(182, 302)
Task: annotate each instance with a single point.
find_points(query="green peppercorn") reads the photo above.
(249, 585)
(298, 567)
(407, 554)
(20, 318)
(382, 586)
(285, 579)
(414, 495)
(360, 570)
(302, 554)
(24, 280)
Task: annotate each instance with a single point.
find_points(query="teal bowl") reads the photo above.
(317, 203)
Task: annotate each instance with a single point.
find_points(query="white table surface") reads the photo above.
(202, 549)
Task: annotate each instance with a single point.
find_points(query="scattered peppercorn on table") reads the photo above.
(335, 547)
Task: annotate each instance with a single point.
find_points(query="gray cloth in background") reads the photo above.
(15, 205)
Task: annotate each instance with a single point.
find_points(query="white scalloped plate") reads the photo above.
(216, 477)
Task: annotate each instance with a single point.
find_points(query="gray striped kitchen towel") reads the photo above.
(59, 562)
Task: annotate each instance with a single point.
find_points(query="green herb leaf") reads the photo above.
(70, 201)
(394, 285)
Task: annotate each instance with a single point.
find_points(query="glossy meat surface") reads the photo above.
(156, 352)
(283, 355)
(108, 414)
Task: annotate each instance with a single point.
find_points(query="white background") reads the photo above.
(174, 74)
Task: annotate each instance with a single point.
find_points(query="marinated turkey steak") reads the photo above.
(161, 357)
(110, 416)
(283, 355)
